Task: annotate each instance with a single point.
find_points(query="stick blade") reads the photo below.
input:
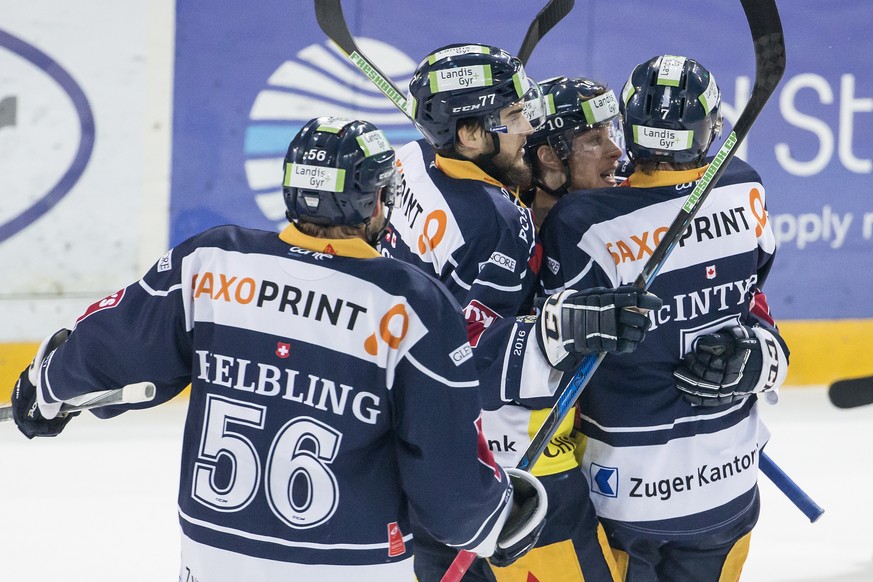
(851, 393)
(329, 14)
(545, 20)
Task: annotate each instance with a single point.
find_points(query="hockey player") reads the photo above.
(332, 389)
(458, 220)
(576, 147)
(673, 429)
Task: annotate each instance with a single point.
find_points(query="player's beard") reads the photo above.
(510, 171)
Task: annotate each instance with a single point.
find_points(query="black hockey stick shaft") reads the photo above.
(330, 17)
(766, 29)
(851, 392)
(551, 14)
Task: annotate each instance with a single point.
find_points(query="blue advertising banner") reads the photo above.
(249, 75)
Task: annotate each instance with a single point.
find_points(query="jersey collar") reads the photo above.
(464, 170)
(664, 178)
(467, 170)
(344, 247)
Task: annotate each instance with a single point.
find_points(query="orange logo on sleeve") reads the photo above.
(395, 317)
(436, 222)
(758, 211)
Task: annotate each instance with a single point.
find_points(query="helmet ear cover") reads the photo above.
(335, 172)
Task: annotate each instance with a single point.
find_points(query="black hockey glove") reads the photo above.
(525, 524)
(574, 324)
(25, 410)
(729, 365)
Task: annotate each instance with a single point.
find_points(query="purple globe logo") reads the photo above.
(35, 130)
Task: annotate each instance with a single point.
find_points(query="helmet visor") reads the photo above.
(523, 116)
(601, 140)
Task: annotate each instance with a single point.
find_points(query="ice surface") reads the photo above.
(98, 503)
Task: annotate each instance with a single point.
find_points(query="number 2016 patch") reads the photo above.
(107, 302)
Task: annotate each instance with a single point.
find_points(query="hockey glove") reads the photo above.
(525, 524)
(574, 324)
(729, 365)
(25, 409)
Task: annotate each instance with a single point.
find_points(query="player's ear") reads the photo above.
(470, 138)
(547, 158)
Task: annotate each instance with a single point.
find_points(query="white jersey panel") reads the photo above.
(422, 216)
(250, 291)
(207, 564)
(679, 478)
(730, 222)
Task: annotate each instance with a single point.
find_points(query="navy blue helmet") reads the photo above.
(671, 107)
(336, 170)
(468, 80)
(573, 106)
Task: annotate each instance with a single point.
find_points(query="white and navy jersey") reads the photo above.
(332, 390)
(454, 221)
(457, 223)
(656, 464)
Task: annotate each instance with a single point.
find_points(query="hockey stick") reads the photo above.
(851, 392)
(329, 14)
(551, 14)
(130, 394)
(791, 490)
(766, 28)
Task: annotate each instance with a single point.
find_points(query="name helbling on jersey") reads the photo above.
(272, 381)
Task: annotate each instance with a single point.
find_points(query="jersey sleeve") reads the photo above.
(513, 369)
(566, 264)
(134, 335)
(436, 395)
(493, 276)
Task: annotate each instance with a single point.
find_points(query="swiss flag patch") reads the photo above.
(106, 303)
(283, 350)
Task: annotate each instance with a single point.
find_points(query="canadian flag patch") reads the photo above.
(396, 546)
(710, 272)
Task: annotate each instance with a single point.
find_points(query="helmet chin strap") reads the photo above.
(560, 190)
(373, 237)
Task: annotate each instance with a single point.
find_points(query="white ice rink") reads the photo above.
(97, 504)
